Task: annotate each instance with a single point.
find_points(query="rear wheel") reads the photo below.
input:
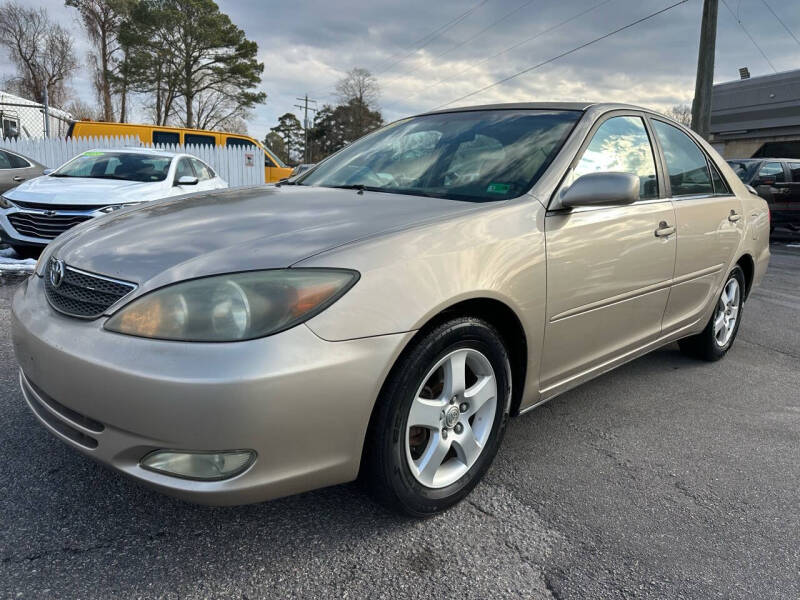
(718, 336)
(440, 418)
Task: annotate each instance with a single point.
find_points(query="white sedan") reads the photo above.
(95, 183)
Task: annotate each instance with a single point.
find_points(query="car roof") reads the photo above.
(150, 151)
(579, 106)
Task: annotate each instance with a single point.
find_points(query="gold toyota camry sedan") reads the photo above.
(384, 313)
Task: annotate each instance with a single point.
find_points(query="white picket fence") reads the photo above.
(238, 165)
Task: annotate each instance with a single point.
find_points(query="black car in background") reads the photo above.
(777, 180)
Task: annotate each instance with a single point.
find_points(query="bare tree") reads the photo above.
(682, 113)
(83, 111)
(360, 85)
(102, 20)
(41, 51)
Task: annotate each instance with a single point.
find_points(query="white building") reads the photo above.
(24, 119)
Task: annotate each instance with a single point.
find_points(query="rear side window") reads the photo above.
(232, 141)
(686, 164)
(795, 169)
(773, 171)
(199, 140)
(621, 144)
(166, 137)
(13, 161)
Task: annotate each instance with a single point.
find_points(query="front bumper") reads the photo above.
(302, 403)
(39, 227)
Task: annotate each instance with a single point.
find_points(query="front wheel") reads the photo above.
(440, 418)
(718, 336)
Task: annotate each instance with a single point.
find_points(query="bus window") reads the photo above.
(166, 137)
(200, 140)
(233, 141)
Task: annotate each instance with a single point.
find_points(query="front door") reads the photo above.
(709, 223)
(608, 267)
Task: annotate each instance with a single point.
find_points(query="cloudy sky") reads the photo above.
(427, 53)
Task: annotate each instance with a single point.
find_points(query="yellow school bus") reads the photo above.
(274, 168)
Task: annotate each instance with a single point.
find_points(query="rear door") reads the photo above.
(14, 170)
(709, 225)
(609, 268)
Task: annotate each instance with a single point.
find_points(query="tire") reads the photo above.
(713, 343)
(400, 460)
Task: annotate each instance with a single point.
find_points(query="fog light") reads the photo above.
(205, 466)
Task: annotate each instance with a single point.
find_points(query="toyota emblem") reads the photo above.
(56, 272)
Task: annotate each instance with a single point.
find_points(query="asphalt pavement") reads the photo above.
(667, 478)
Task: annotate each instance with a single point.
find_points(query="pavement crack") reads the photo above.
(768, 347)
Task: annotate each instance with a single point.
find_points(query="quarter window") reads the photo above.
(795, 169)
(720, 186)
(686, 164)
(621, 144)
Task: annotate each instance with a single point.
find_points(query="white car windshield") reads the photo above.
(125, 166)
(480, 155)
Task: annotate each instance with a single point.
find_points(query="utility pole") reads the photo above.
(704, 85)
(46, 114)
(305, 100)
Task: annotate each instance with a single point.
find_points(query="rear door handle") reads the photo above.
(733, 217)
(664, 229)
(18, 178)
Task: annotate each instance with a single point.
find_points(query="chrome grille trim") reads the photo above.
(45, 226)
(84, 295)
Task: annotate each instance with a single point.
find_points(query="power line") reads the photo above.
(305, 100)
(747, 33)
(785, 26)
(480, 33)
(421, 43)
(520, 43)
(563, 54)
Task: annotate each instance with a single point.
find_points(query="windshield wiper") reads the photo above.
(356, 186)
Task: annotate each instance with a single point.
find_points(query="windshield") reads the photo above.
(744, 169)
(480, 155)
(126, 166)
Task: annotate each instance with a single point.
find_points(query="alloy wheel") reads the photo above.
(727, 312)
(451, 417)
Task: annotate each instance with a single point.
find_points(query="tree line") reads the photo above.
(183, 61)
(355, 113)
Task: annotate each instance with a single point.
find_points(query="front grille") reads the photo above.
(82, 294)
(45, 226)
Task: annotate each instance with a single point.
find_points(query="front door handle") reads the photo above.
(18, 178)
(733, 217)
(664, 229)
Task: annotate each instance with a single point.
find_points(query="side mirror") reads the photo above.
(594, 189)
(187, 180)
(47, 171)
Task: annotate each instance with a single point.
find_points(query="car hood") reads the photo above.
(238, 230)
(85, 191)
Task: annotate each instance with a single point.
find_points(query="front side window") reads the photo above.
(184, 169)
(478, 156)
(116, 165)
(621, 144)
(204, 173)
(795, 169)
(686, 163)
(772, 171)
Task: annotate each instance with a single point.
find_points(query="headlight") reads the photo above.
(5, 202)
(111, 208)
(228, 308)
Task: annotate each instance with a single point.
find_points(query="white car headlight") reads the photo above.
(229, 308)
(6, 203)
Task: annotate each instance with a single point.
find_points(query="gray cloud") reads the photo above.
(306, 46)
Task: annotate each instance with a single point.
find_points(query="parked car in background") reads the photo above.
(390, 309)
(15, 169)
(93, 184)
(302, 168)
(274, 168)
(777, 180)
